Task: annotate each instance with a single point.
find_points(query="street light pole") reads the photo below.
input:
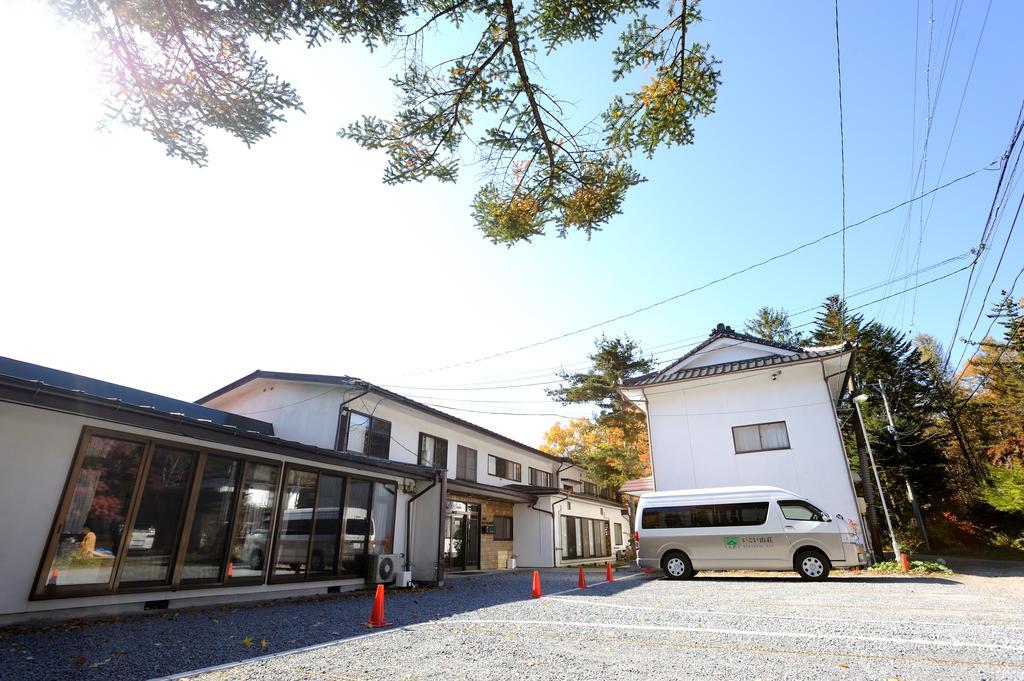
(899, 449)
(878, 483)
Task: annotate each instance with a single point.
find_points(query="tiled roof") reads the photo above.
(730, 367)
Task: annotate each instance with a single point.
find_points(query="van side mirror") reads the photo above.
(826, 517)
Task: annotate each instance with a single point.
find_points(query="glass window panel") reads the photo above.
(255, 515)
(774, 435)
(324, 559)
(358, 427)
(296, 522)
(208, 536)
(380, 438)
(356, 527)
(502, 528)
(382, 522)
(746, 438)
(800, 510)
(156, 531)
(465, 463)
(91, 533)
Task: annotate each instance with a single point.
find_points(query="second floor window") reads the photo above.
(760, 437)
(503, 468)
(540, 478)
(465, 463)
(590, 489)
(433, 451)
(364, 434)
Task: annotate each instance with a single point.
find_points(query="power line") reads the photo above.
(842, 147)
(708, 284)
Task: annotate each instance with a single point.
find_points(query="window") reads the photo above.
(715, 515)
(465, 463)
(800, 510)
(590, 489)
(433, 451)
(760, 437)
(142, 514)
(585, 538)
(618, 533)
(382, 518)
(503, 468)
(364, 434)
(540, 478)
(502, 528)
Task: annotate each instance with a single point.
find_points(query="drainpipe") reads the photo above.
(408, 518)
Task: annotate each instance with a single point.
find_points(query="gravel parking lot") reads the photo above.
(715, 626)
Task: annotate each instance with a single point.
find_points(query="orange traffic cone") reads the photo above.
(582, 584)
(53, 578)
(231, 569)
(608, 573)
(904, 563)
(536, 585)
(377, 614)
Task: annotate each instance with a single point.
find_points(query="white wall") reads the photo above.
(726, 350)
(692, 446)
(426, 516)
(532, 536)
(37, 447)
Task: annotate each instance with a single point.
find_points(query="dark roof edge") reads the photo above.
(359, 383)
(728, 332)
(36, 394)
(809, 356)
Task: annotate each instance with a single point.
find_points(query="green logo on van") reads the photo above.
(731, 542)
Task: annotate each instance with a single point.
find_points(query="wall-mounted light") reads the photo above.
(776, 374)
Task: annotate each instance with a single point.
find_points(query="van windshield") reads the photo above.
(705, 515)
(800, 510)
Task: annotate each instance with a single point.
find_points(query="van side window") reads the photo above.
(800, 510)
(712, 515)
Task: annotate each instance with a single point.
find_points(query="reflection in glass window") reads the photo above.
(208, 539)
(296, 522)
(358, 430)
(382, 522)
(356, 527)
(324, 559)
(252, 533)
(154, 536)
(94, 522)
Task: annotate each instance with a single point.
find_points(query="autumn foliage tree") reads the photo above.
(180, 68)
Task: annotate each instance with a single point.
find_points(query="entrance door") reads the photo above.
(462, 536)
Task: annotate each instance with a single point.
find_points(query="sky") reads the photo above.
(123, 264)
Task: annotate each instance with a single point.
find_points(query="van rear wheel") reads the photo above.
(812, 564)
(676, 565)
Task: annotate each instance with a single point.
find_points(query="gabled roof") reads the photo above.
(45, 388)
(724, 331)
(360, 384)
(729, 367)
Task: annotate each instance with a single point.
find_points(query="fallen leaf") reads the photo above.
(247, 641)
(79, 660)
(264, 644)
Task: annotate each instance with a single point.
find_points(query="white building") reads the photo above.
(114, 499)
(503, 499)
(739, 410)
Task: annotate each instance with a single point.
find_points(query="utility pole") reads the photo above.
(910, 490)
(878, 483)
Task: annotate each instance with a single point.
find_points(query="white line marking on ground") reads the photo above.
(625, 606)
(741, 632)
(591, 586)
(283, 653)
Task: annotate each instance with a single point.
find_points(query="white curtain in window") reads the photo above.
(774, 436)
(358, 425)
(747, 438)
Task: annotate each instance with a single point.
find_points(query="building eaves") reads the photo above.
(731, 367)
(366, 385)
(40, 394)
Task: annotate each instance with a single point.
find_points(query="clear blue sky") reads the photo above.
(129, 266)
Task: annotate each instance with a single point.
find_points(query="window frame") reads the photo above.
(806, 504)
(517, 467)
(550, 477)
(433, 462)
(760, 438)
(341, 439)
(511, 528)
(599, 526)
(38, 590)
(459, 451)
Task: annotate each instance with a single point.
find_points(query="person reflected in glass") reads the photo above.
(87, 546)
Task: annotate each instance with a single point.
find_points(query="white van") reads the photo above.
(742, 528)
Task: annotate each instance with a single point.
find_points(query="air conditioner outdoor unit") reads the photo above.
(383, 568)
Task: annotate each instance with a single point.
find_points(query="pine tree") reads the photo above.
(774, 325)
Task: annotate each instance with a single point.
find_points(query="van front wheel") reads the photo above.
(812, 565)
(676, 565)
